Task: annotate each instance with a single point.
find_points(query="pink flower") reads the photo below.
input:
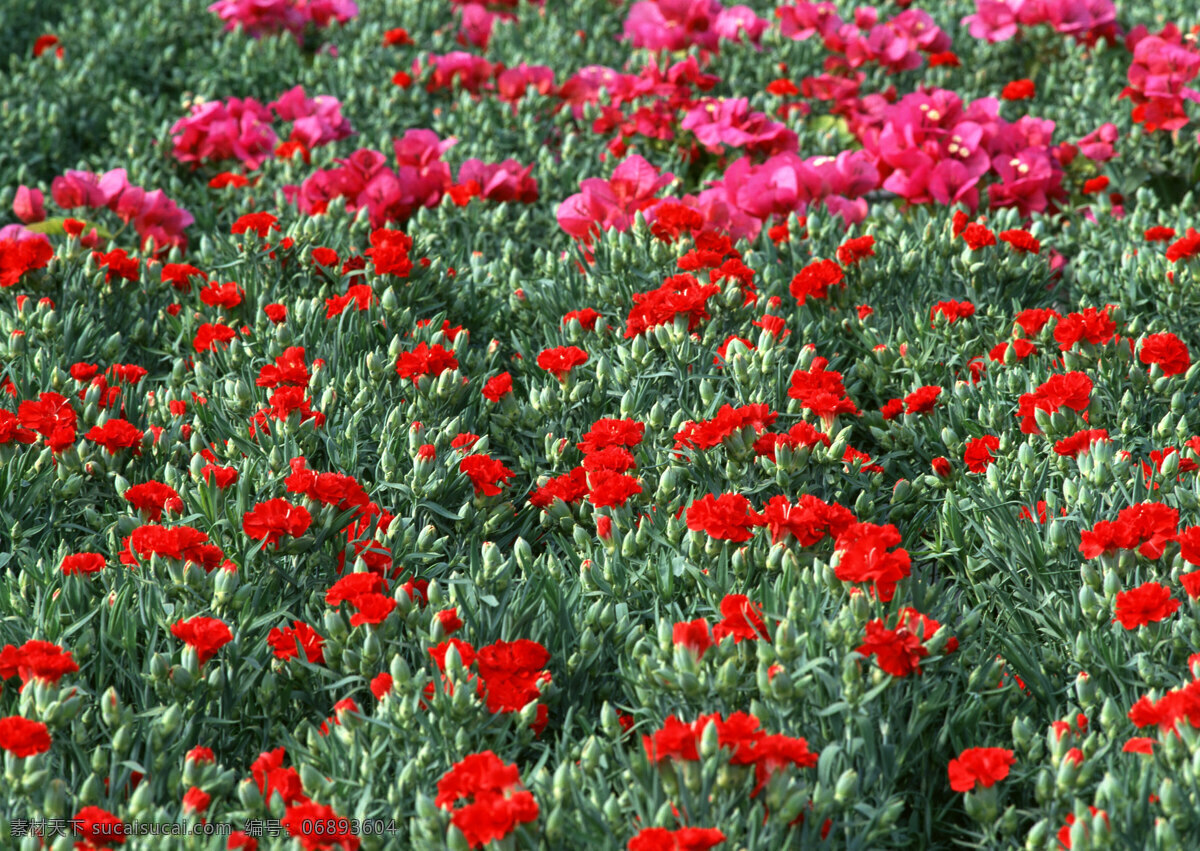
(315, 121)
(264, 17)
(1030, 180)
(729, 121)
(466, 70)
(234, 129)
(85, 189)
(736, 21)
(604, 204)
(28, 205)
(1158, 78)
(512, 83)
(365, 180)
(673, 24)
(505, 181)
(804, 20)
(994, 20)
(1098, 145)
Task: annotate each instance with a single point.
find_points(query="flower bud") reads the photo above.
(847, 787)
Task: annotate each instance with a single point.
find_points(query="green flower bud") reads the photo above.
(847, 787)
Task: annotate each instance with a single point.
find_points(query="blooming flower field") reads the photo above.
(657, 425)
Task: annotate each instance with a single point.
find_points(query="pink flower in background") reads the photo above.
(260, 17)
(85, 189)
(1086, 21)
(364, 179)
(257, 18)
(221, 130)
(513, 83)
(29, 205)
(161, 221)
(736, 21)
(156, 218)
(804, 20)
(728, 121)
(994, 20)
(322, 13)
(1029, 181)
(895, 44)
(467, 71)
(477, 24)
(673, 24)
(505, 181)
(604, 204)
(315, 121)
(786, 184)
(1098, 145)
(1158, 76)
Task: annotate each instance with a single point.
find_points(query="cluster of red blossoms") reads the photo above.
(863, 550)
(979, 766)
(1147, 527)
(317, 826)
(899, 651)
(741, 734)
(1067, 390)
(508, 674)
(494, 804)
(603, 476)
(40, 661)
(741, 619)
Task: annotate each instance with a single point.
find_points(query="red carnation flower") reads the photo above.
(728, 517)
(863, 556)
(260, 223)
(22, 737)
(115, 435)
(1070, 390)
(494, 803)
(985, 766)
(205, 635)
(1148, 603)
(117, 263)
(1021, 240)
(275, 518)
(1018, 90)
(99, 828)
(1168, 351)
(496, 387)
(611, 432)
(586, 318)
(318, 827)
(742, 619)
(389, 252)
(952, 310)
(683, 839)
(228, 295)
(815, 279)
(897, 651)
(152, 498)
(425, 360)
(1185, 248)
(922, 400)
(560, 361)
(486, 474)
(82, 563)
(288, 642)
(695, 635)
(853, 250)
(978, 454)
(978, 236)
